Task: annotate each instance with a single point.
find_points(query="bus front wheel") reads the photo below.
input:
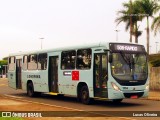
(30, 89)
(84, 95)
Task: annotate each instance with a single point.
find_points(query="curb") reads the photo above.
(154, 98)
(151, 98)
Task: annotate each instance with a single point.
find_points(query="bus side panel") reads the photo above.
(41, 84)
(38, 78)
(70, 83)
(66, 85)
(12, 79)
(61, 80)
(86, 76)
(24, 80)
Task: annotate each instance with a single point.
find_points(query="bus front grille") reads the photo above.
(129, 95)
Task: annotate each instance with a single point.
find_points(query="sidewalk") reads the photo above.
(154, 95)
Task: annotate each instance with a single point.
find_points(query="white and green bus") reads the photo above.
(112, 71)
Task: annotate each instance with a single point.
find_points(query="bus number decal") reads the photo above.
(75, 75)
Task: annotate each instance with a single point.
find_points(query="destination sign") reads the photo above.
(126, 47)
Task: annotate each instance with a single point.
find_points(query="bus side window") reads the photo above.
(42, 61)
(68, 59)
(32, 63)
(25, 58)
(11, 63)
(84, 59)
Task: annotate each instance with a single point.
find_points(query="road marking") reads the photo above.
(12, 96)
(3, 85)
(68, 108)
(3, 79)
(15, 97)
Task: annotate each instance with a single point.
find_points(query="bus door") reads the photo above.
(100, 75)
(18, 73)
(53, 74)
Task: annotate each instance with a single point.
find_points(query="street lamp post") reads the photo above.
(41, 41)
(117, 34)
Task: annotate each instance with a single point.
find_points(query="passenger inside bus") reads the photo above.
(80, 63)
(83, 62)
(126, 69)
(101, 71)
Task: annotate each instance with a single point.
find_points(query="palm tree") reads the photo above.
(136, 10)
(148, 8)
(130, 19)
(136, 32)
(156, 25)
(125, 16)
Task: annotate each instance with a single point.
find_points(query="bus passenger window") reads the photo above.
(32, 62)
(84, 59)
(68, 59)
(42, 61)
(11, 63)
(25, 62)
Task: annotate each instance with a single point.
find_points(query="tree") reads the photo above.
(130, 17)
(2, 63)
(148, 8)
(136, 17)
(156, 25)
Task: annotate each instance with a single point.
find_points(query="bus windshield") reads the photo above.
(129, 66)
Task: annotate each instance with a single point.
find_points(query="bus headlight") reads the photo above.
(147, 87)
(115, 87)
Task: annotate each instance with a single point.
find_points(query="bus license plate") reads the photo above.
(134, 96)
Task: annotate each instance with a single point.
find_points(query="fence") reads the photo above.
(154, 78)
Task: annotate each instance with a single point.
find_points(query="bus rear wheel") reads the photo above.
(84, 95)
(30, 89)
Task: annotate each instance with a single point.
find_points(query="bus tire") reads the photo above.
(30, 89)
(84, 95)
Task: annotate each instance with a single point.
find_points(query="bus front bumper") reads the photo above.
(113, 94)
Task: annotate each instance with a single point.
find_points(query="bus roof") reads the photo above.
(93, 45)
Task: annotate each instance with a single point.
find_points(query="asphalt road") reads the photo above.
(135, 106)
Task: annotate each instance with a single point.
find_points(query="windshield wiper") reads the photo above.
(129, 61)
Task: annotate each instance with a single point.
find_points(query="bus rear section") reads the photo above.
(15, 72)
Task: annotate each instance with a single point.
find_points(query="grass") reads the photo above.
(154, 60)
(10, 118)
(153, 57)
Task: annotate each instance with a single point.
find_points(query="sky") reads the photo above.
(62, 23)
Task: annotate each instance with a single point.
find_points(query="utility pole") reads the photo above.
(130, 16)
